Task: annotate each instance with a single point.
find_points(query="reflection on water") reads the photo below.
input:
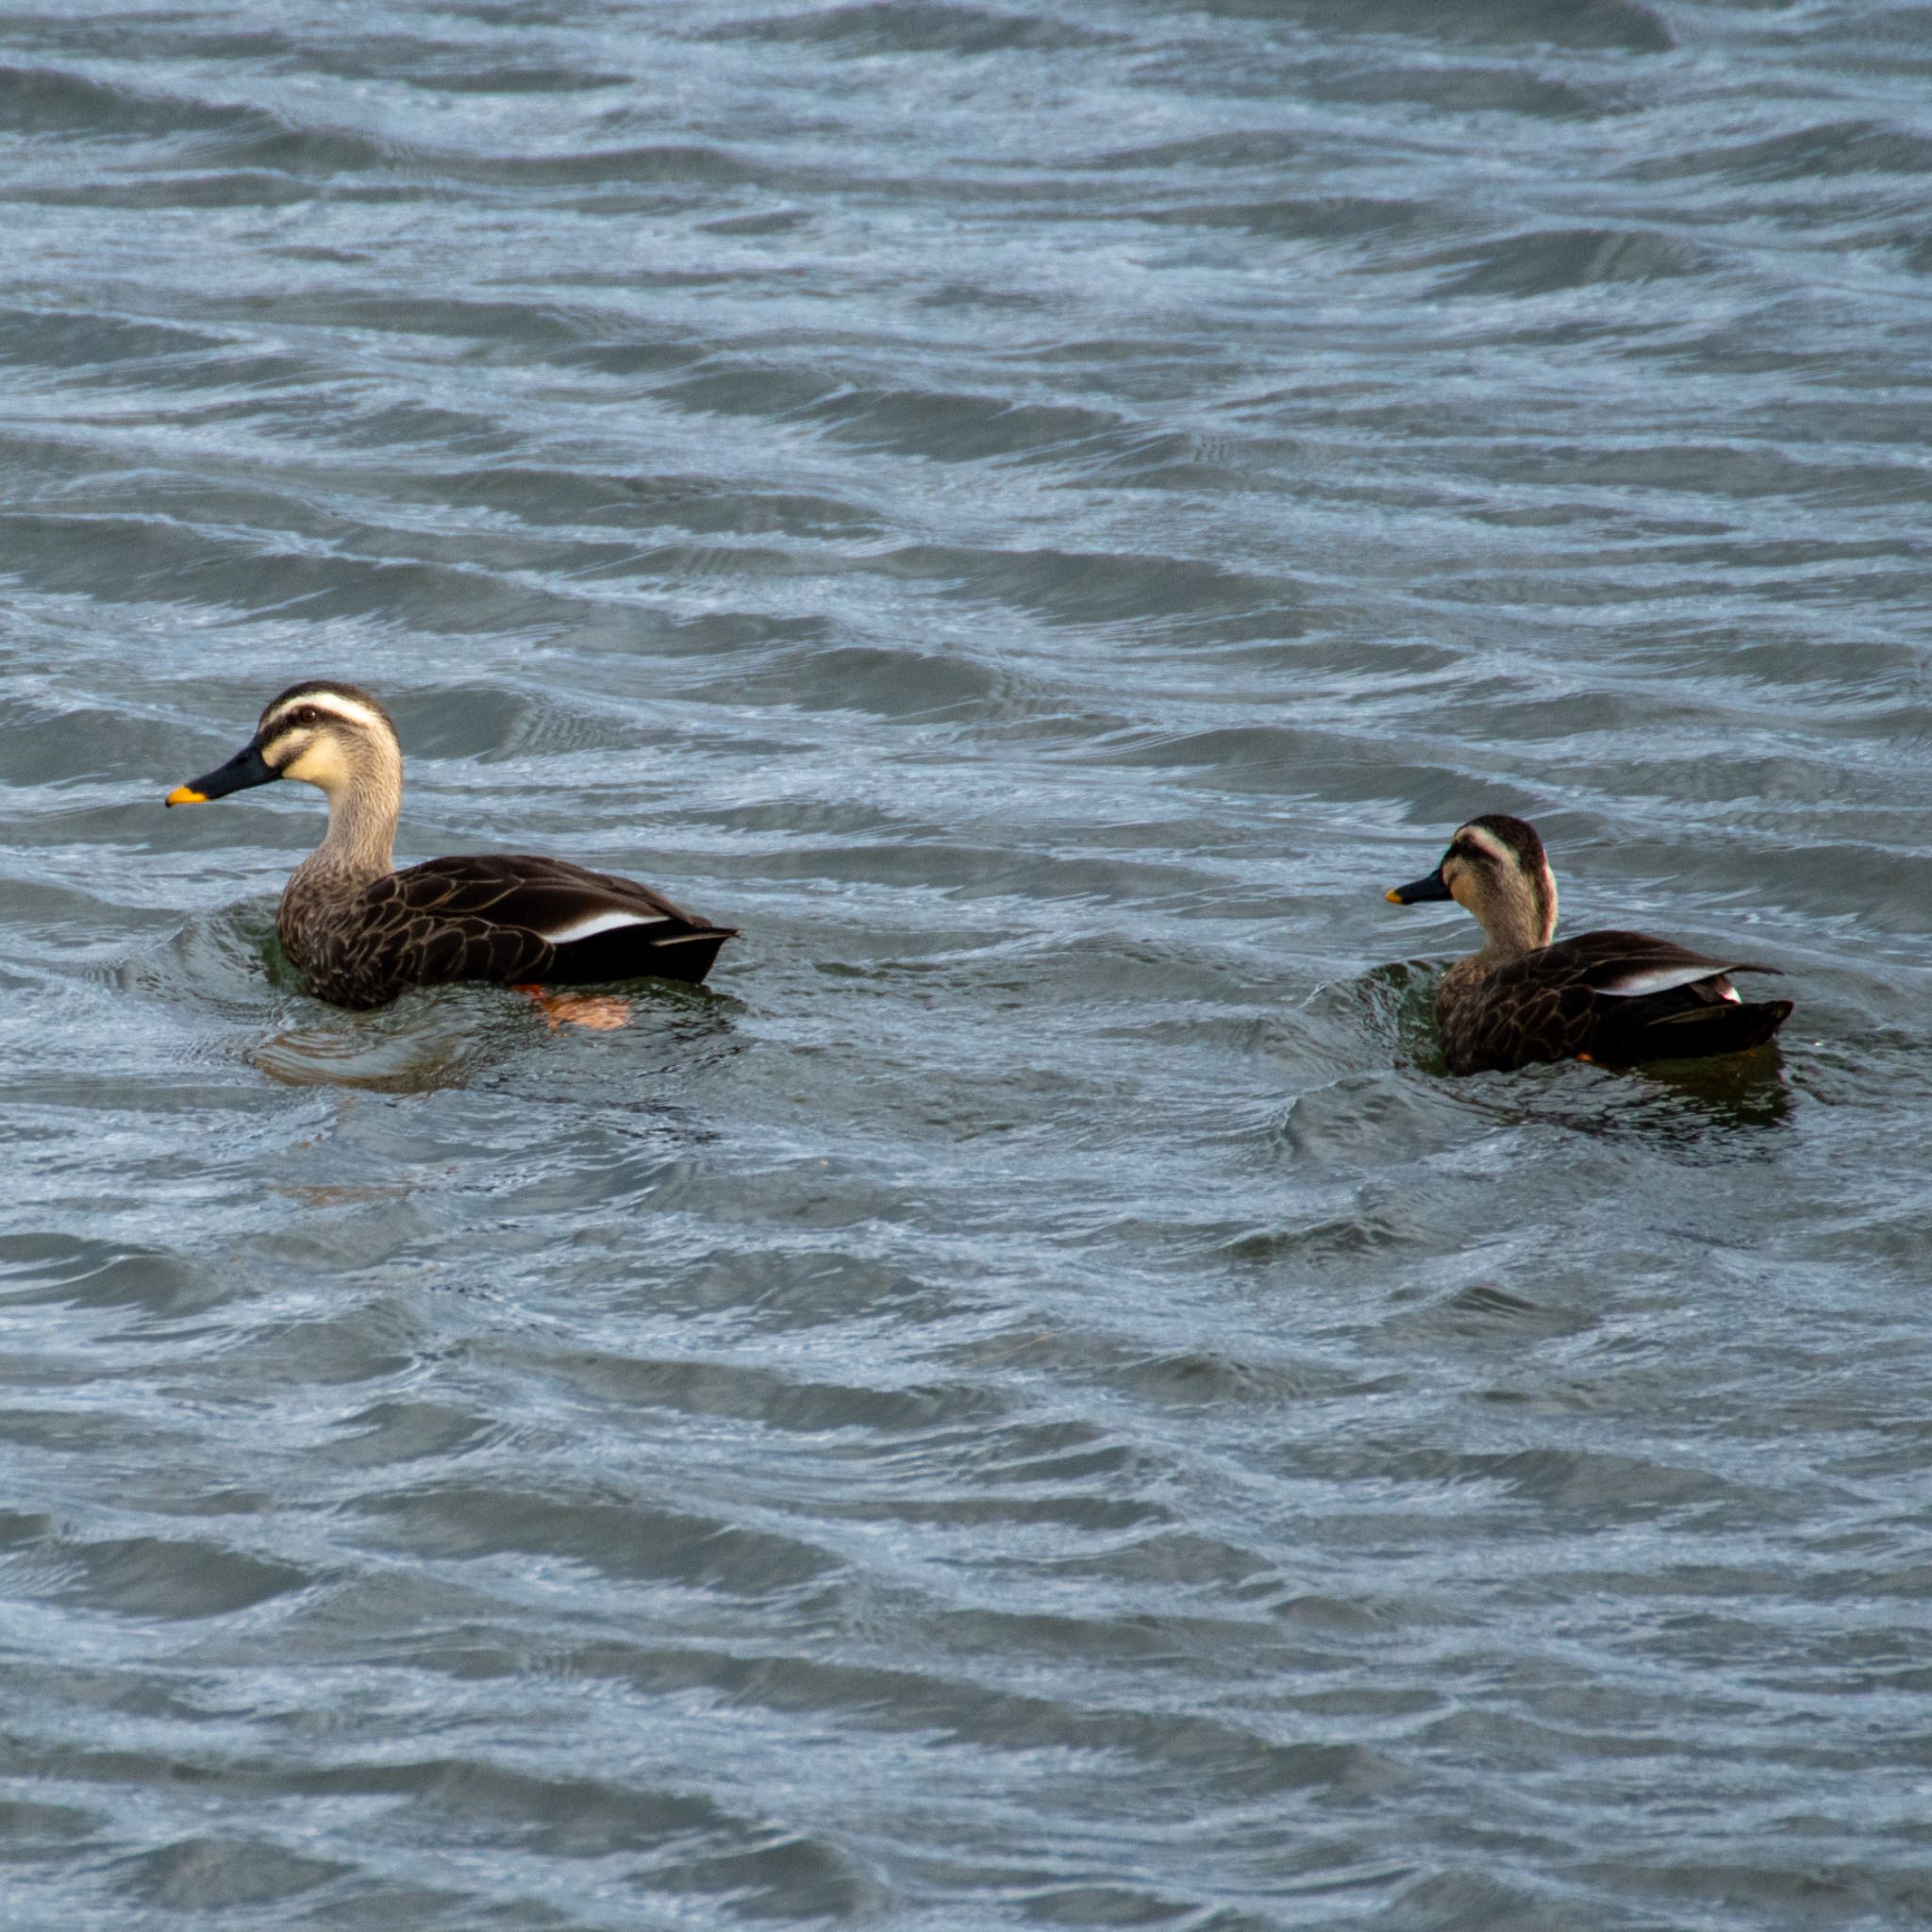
(424, 1046)
(1396, 1005)
(451, 1035)
(1688, 1103)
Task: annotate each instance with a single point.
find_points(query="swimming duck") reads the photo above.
(360, 932)
(1617, 997)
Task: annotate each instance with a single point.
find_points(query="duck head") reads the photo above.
(1496, 869)
(339, 739)
(330, 735)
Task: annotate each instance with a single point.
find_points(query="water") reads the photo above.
(1031, 1400)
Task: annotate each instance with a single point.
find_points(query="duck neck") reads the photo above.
(1514, 926)
(359, 845)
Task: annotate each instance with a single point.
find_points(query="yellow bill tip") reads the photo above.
(186, 795)
(1394, 897)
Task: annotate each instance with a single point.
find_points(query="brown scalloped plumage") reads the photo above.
(484, 918)
(1545, 1005)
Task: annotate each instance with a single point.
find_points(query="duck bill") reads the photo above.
(1430, 887)
(247, 767)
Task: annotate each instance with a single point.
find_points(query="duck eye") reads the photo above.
(305, 715)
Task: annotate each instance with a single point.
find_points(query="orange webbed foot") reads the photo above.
(600, 1012)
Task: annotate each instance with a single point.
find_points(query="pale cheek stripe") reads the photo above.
(329, 705)
(1489, 844)
(589, 928)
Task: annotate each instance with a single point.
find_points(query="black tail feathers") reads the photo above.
(1724, 1026)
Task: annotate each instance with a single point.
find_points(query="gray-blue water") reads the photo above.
(1032, 1400)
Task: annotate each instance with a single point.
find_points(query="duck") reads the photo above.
(360, 932)
(1614, 997)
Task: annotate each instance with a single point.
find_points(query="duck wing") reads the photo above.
(1619, 997)
(514, 916)
(1634, 965)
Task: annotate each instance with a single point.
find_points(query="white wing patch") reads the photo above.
(593, 923)
(1660, 979)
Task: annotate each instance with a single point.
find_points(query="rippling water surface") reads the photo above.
(1031, 1400)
